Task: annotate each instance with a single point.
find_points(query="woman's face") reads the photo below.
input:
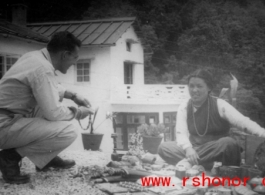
(198, 89)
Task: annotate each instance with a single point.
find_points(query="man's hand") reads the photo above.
(192, 156)
(83, 112)
(80, 100)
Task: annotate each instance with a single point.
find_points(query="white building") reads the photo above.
(110, 73)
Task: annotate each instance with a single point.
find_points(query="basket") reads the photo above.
(230, 171)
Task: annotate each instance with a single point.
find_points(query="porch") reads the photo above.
(138, 104)
(149, 94)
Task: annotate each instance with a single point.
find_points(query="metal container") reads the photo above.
(180, 172)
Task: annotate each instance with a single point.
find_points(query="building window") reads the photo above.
(128, 73)
(6, 61)
(83, 71)
(128, 46)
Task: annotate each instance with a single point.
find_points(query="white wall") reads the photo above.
(119, 55)
(97, 91)
(106, 71)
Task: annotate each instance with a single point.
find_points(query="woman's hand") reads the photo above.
(192, 156)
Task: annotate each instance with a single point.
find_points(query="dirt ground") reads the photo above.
(58, 182)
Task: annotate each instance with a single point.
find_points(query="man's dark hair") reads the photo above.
(205, 75)
(63, 40)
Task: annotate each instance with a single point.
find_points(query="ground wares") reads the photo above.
(244, 171)
(92, 141)
(230, 171)
(252, 172)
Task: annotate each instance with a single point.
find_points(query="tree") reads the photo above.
(228, 37)
(109, 9)
(160, 23)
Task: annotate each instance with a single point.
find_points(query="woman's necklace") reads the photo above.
(207, 123)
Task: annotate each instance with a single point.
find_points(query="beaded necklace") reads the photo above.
(207, 123)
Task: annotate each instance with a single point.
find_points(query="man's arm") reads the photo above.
(69, 94)
(77, 98)
(46, 91)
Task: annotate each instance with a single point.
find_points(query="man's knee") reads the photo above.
(70, 131)
(73, 133)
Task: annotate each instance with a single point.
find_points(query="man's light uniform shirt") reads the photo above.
(30, 82)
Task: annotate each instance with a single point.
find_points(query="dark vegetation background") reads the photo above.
(182, 35)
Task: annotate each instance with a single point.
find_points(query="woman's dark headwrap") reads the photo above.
(205, 75)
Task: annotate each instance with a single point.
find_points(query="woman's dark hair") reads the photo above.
(63, 40)
(205, 75)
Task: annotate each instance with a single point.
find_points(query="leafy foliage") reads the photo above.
(228, 37)
(136, 145)
(109, 8)
(152, 130)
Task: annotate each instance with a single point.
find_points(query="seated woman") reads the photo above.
(202, 129)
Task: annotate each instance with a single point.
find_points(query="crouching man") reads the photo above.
(33, 122)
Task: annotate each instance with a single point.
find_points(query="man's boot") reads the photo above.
(57, 163)
(9, 166)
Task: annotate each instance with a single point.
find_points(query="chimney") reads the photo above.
(19, 14)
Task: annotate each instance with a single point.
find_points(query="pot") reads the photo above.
(151, 144)
(116, 156)
(91, 141)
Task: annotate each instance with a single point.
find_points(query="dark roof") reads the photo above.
(90, 32)
(7, 28)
